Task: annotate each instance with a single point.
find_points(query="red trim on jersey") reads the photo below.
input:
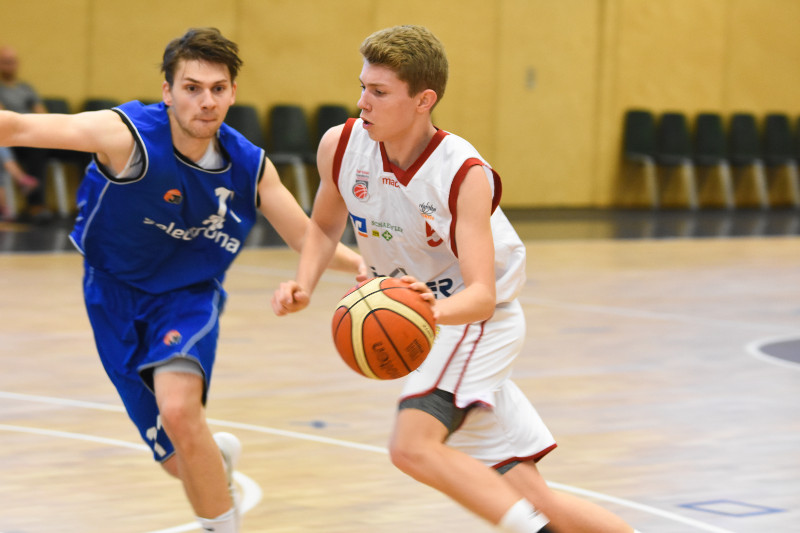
(439, 379)
(455, 188)
(535, 457)
(339, 154)
(404, 176)
(463, 369)
(469, 358)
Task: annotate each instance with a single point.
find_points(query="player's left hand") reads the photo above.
(424, 291)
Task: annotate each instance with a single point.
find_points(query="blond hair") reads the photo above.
(413, 53)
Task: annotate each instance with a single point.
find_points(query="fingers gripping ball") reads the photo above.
(383, 329)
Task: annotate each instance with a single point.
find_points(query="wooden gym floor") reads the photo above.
(662, 350)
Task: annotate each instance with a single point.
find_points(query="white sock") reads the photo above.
(522, 518)
(224, 523)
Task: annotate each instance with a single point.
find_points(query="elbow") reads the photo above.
(485, 310)
(487, 301)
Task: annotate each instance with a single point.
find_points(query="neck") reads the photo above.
(407, 148)
(194, 149)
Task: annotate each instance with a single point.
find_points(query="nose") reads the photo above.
(208, 100)
(362, 101)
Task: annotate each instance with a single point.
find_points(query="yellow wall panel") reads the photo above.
(670, 53)
(50, 38)
(764, 50)
(127, 40)
(302, 51)
(546, 101)
(467, 28)
(538, 86)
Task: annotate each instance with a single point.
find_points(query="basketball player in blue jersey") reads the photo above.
(165, 207)
(463, 427)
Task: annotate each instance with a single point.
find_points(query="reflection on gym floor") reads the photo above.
(543, 224)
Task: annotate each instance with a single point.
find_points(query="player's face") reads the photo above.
(199, 97)
(386, 107)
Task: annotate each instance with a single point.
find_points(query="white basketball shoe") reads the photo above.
(231, 450)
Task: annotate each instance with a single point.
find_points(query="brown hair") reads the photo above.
(203, 44)
(413, 53)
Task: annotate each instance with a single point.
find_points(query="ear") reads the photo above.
(166, 94)
(426, 100)
(233, 93)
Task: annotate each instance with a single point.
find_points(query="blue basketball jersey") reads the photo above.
(174, 224)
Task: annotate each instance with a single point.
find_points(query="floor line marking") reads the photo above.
(754, 349)
(352, 445)
(250, 490)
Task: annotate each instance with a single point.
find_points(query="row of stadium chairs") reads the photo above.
(732, 147)
(285, 133)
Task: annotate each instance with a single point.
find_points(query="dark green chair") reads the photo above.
(639, 147)
(710, 151)
(778, 150)
(744, 152)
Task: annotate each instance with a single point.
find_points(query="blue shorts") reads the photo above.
(136, 331)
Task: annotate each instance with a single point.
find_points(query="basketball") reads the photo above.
(383, 329)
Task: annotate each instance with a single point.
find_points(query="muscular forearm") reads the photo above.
(345, 259)
(476, 303)
(320, 251)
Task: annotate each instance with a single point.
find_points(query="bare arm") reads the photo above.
(100, 132)
(327, 223)
(475, 247)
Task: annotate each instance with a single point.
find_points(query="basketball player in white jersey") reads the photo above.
(424, 207)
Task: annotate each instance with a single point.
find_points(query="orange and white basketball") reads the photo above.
(383, 329)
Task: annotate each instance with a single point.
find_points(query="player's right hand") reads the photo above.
(289, 297)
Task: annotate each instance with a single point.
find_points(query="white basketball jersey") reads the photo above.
(405, 221)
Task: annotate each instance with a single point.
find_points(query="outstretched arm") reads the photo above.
(99, 132)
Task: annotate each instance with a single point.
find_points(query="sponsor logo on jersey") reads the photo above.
(361, 186)
(391, 181)
(427, 209)
(212, 228)
(433, 239)
(360, 225)
(361, 190)
(441, 286)
(172, 338)
(386, 225)
(386, 235)
(173, 196)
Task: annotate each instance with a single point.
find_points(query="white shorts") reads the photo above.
(474, 362)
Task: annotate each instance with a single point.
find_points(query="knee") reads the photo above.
(409, 457)
(178, 417)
